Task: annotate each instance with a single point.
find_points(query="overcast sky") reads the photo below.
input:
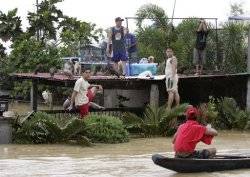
(102, 12)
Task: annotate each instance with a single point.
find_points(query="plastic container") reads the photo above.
(135, 69)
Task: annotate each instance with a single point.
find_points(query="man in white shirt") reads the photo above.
(84, 93)
(171, 78)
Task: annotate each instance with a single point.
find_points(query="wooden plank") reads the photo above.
(33, 95)
(154, 95)
(97, 110)
(44, 77)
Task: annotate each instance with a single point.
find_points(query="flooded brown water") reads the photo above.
(22, 108)
(108, 160)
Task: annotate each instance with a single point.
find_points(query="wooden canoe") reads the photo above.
(191, 165)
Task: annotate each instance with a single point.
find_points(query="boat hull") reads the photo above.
(190, 165)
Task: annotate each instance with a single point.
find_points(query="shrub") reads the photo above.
(105, 129)
(230, 115)
(234, 47)
(209, 112)
(44, 128)
(156, 120)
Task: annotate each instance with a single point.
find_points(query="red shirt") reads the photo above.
(188, 135)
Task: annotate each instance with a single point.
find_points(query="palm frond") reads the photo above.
(172, 114)
(153, 115)
(154, 12)
(132, 119)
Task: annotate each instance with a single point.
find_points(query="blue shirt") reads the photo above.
(118, 40)
(130, 40)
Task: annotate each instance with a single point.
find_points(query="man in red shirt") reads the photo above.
(190, 134)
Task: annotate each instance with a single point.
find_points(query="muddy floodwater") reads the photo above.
(104, 160)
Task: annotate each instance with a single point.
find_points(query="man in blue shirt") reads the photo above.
(118, 47)
(131, 45)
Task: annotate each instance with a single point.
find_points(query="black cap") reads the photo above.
(118, 19)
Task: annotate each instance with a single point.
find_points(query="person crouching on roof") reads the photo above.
(84, 93)
(190, 134)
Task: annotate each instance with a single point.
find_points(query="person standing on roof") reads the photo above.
(131, 45)
(117, 39)
(200, 47)
(171, 78)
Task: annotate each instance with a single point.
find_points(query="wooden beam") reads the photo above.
(33, 95)
(248, 70)
(154, 95)
(137, 109)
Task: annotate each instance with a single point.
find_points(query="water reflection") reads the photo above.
(129, 159)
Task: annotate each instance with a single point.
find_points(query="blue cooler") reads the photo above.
(135, 69)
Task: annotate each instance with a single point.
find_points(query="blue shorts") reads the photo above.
(119, 56)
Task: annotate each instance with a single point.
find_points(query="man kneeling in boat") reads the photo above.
(190, 134)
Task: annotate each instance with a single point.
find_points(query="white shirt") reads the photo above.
(81, 87)
(169, 69)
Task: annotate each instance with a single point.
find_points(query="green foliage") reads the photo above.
(230, 115)
(153, 39)
(185, 41)
(10, 25)
(77, 34)
(234, 47)
(168, 123)
(105, 129)
(3, 71)
(44, 128)
(21, 89)
(224, 114)
(28, 53)
(156, 120)
(209, 112)
(154, 12)
(40, 129)
(46, 20)
(2, 52)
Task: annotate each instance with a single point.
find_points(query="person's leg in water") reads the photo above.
(170, 99)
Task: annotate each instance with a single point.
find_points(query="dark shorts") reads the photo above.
(199, 57)
(198, 154)
(119, 56)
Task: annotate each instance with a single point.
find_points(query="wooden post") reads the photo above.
(154, 95)
(248, 71)
(33, 95)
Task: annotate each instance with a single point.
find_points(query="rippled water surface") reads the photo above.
(128, 159)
